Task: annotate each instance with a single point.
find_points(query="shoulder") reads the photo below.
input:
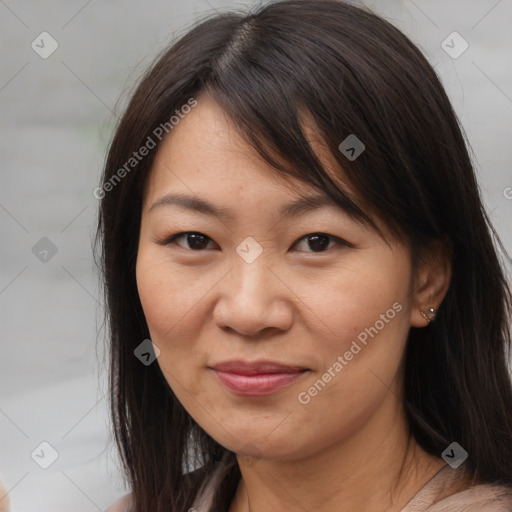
(459, 491)
(123, 504)
(488, 497)
(4, 499)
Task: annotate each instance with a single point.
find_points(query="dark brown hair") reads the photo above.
(353, 73)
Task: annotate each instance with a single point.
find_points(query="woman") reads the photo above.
(307, 310)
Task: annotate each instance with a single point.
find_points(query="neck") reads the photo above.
(380, 468)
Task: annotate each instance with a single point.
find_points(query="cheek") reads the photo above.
(169, 295)
(370, 297)
(363, 322)
(175, 305)
(155, 298)
(169, 298)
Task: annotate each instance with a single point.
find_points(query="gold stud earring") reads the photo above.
(429, 315)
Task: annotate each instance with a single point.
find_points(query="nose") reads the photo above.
(253, 298)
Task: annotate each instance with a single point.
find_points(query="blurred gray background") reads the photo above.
(58, 111)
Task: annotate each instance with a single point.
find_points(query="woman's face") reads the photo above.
(253, 283)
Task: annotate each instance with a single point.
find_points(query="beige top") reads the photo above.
(432, 497)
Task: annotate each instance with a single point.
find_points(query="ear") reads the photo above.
(431, 281)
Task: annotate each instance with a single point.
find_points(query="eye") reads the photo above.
(195, 241)
(319, 242)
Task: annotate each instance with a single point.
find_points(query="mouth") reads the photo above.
(258, 378)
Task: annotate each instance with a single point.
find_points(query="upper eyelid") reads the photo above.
(335, 238)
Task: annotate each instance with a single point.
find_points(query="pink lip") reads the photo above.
(256, 379)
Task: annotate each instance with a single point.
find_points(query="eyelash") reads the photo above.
(172, 240)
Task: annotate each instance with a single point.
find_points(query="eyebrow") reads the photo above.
(294, 208)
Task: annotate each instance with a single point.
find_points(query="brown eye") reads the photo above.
(193, 240)
(319, 242)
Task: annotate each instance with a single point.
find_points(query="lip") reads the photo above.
(258, 378)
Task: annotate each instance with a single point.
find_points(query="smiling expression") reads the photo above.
(233, 264)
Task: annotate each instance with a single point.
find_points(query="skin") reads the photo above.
(295, 303)
(4, 499)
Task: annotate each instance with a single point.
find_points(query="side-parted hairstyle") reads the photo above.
(351, 72)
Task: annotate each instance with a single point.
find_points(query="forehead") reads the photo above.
(204, 164)
(206, 150)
